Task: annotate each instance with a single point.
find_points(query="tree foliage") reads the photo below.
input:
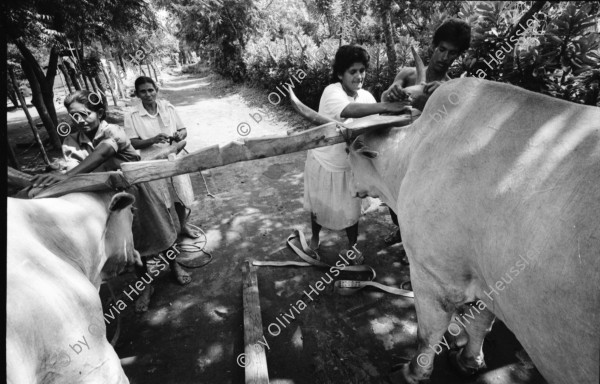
(557, 54)
(264, 41)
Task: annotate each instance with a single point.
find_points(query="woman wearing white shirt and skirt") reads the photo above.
(148, 125)
(327, 172)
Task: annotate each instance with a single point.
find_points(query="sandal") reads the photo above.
(192, 231)
(359, 259)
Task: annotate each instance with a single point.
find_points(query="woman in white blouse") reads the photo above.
(327, 171)
(152, 123)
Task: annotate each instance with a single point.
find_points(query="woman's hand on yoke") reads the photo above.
(397, 107)
(47, 179)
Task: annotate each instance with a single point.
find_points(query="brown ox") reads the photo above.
(497, 191)
(59, 251)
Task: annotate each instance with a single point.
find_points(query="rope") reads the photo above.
(194, 247)
(343, 287)
(203, 179)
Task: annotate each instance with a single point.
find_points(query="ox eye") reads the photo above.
(347, 151)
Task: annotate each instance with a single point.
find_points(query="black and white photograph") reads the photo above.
(301, 191)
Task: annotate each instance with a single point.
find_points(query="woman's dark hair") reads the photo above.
(454, 31)
(345, 57)
(144, 80)
(91, 100)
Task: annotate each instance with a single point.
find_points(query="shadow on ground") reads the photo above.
(194, 334)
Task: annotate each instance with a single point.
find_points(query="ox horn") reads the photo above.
(421, 71)
(306, 112)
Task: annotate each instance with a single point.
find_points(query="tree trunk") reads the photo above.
(109, 84)
(12, 95)
(72, 75)
(85, 81)
(36, 136)
(102, 90)
(42, 80)
(114, 71)
(12, 158)
(47, 84)
(62, 69)
(154, 69)
(95, 89)
(122, 64)
(388, 31)
(38, 102)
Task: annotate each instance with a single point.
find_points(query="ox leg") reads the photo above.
(433, 320)
(469, 359)
(143, 300)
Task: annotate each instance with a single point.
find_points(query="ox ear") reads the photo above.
(359, 147)
(120, 201)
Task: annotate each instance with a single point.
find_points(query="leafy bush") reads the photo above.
(272, 64)
(557, 54)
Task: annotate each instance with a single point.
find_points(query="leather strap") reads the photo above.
(343, 287)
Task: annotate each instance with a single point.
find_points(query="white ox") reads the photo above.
(59, 251)
(497, 191)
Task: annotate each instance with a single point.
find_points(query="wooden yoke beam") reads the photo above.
(236, 151)
(255, 148)
(96, 181)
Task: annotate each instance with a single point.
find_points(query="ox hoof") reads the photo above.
(460, 366)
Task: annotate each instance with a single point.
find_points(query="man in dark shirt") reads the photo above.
(451, 39)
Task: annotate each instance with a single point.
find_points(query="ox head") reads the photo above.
(118, 238)
(364, 178)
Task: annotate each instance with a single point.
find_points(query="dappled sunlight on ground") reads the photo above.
(197, 330)
(211, 355)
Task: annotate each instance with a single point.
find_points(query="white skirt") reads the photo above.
(175, 189)
(327, 195)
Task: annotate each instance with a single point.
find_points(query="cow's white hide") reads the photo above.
(59, 250)
(488, 174)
